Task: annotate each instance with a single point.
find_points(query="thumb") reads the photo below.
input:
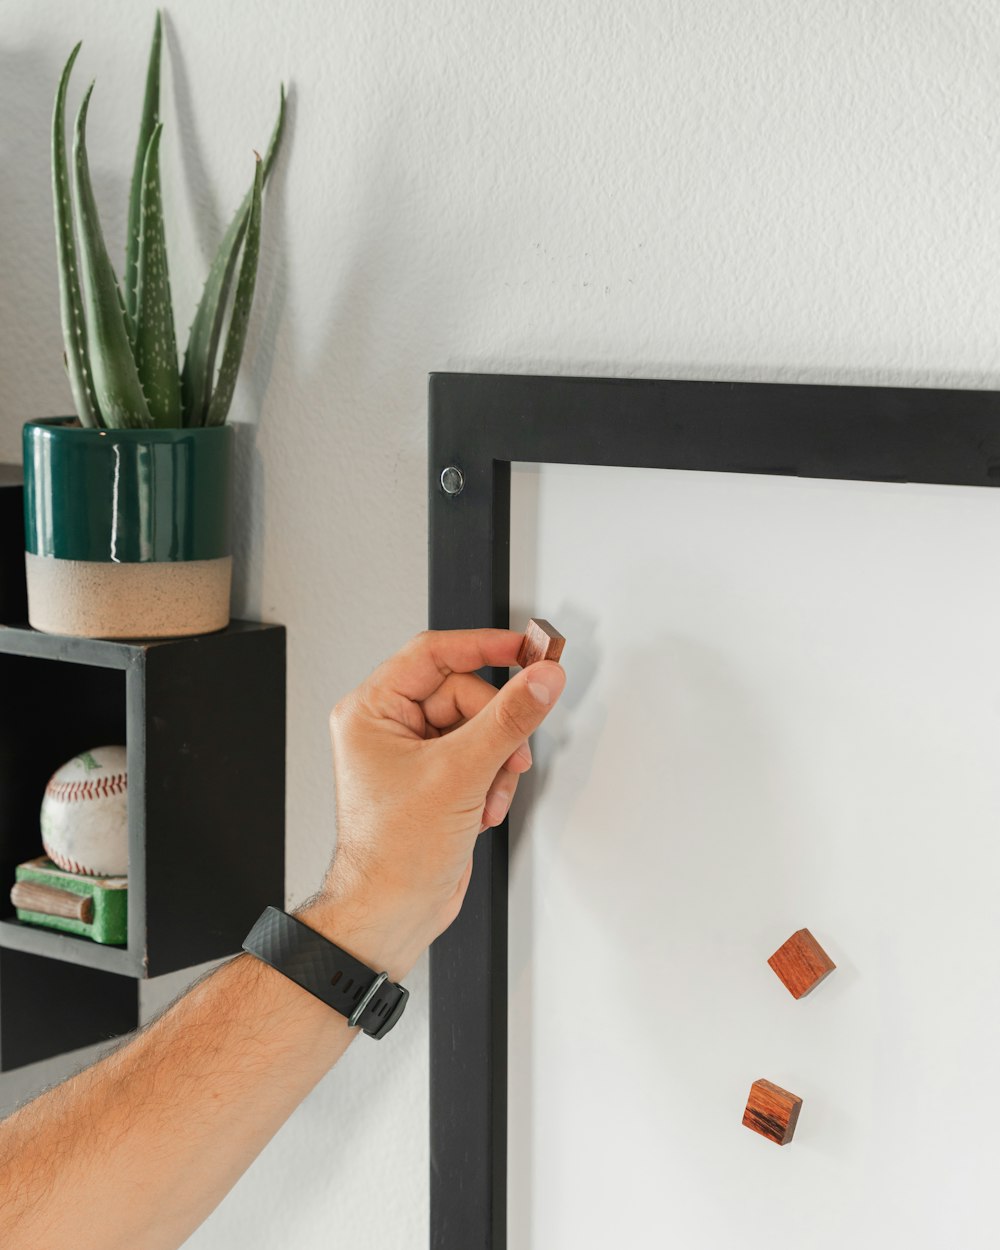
(511, 716)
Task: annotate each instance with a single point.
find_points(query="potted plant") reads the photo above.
(127, 504)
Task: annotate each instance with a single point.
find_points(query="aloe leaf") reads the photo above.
(155, 340)
(115, 378)
(129, 325)
(70, 301)
(150, 120)
(206, 329)
(274, 142)
(222, 395)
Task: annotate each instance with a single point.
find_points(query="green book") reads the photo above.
(93, 907)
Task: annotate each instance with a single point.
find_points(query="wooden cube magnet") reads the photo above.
(772, 1111)
(541, 642)
(801, 963)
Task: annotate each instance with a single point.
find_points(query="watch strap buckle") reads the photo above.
(372, 990)
(393, 1015)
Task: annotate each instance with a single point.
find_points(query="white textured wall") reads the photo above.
(784, 190)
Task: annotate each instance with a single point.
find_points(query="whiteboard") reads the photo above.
(782, 711)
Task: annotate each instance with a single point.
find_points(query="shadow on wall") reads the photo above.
(270, 303)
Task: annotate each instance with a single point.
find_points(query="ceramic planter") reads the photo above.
(127, 532)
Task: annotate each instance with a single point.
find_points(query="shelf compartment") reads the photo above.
(34, 940)
(203, 720)
(51, 1007)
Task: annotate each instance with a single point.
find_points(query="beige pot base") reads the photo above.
(88, 599)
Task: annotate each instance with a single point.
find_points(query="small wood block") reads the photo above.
(801, 963)
(541, 642)
(772, 1111)
(48, 901)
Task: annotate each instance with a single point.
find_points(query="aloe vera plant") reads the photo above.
(120, 340)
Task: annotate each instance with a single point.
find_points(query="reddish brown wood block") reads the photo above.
(772, 1111)
(801, 963)
(541, 642)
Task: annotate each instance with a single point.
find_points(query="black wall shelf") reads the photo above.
(13, 597)
(203, 720)
(48, 1007)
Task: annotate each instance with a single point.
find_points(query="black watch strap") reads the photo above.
(368, 998)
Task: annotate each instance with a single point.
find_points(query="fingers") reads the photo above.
(494, 734)
(423, 664)
(521, 760)
(459, 698)
(498, 799)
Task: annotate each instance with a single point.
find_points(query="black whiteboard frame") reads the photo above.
(481, 424)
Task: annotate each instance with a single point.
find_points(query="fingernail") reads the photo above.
(523, 753)
(496, 807)
(546, 684)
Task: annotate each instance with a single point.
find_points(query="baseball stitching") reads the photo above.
(99, 788)
(69, 865)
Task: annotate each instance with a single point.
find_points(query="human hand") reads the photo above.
(426, 755)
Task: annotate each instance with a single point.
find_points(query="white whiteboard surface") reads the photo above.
(783, 711)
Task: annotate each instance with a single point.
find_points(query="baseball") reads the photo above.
(85, 814)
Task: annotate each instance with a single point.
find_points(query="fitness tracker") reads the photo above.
(367, 998)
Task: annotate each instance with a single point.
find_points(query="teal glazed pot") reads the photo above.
(128, 533)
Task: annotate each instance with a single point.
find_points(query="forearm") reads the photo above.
(137, 1150)
(140, 1148)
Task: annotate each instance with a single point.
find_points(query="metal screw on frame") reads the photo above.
(452, 480)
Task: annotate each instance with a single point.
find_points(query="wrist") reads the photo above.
(367, 927)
